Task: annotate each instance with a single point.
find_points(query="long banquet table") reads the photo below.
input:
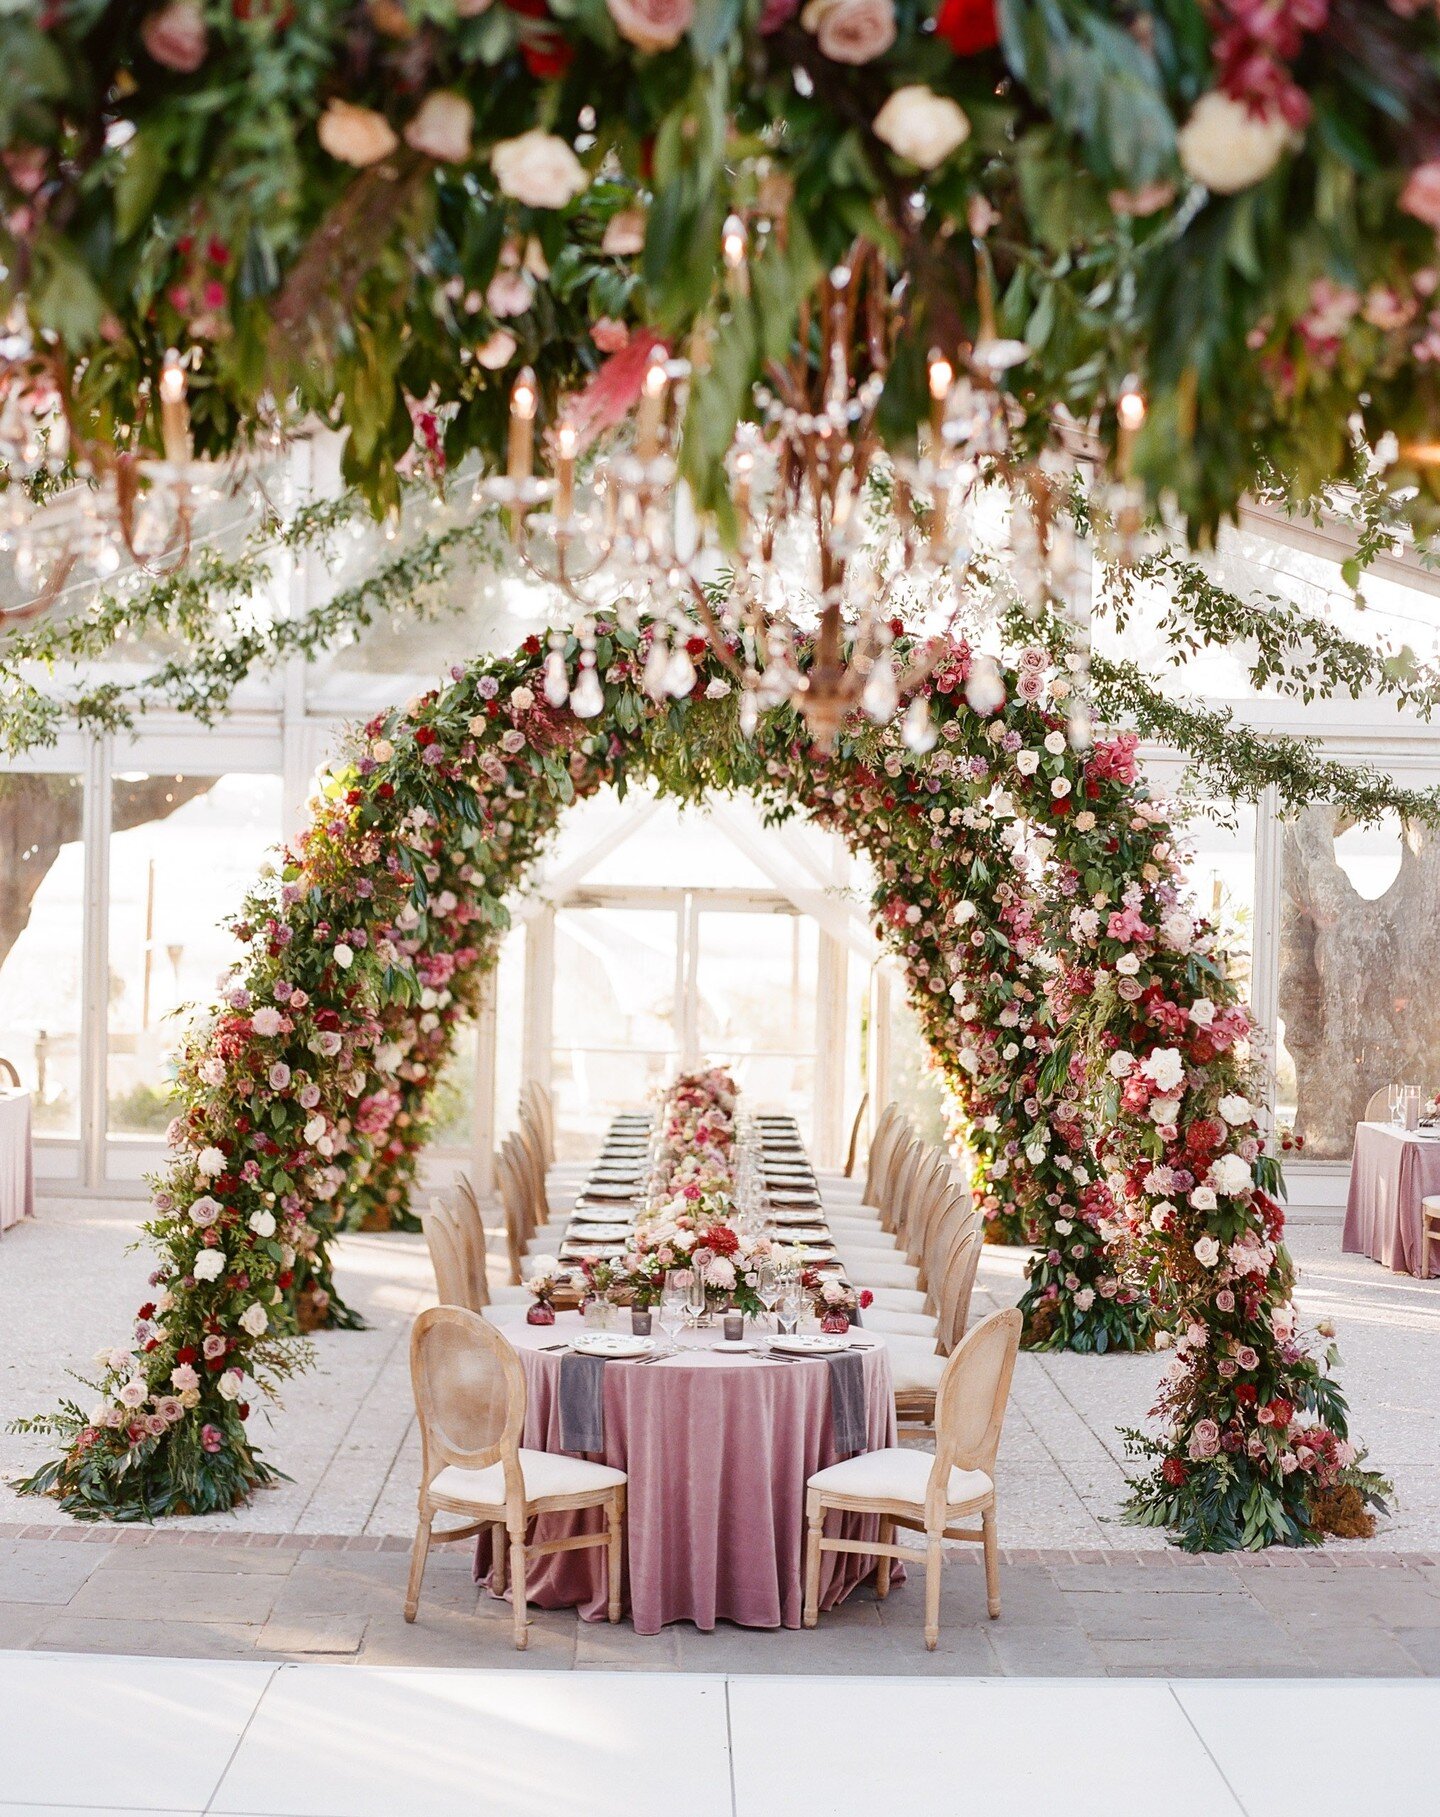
(717, 1448)
(1391, 1171)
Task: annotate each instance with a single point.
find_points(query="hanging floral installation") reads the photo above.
(1076, 1006)
(380, 212)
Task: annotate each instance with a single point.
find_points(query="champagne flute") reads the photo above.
(788, 1312)
(768, 1289)
(674, 1303)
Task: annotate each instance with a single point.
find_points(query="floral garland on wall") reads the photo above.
(1076, 1008)
(381, 211)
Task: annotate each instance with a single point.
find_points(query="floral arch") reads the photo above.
(1101, 1063)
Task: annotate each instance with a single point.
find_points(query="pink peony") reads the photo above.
(175, 36)
(851, 31)
(212, 1439)
(652, 25)
(1421, 195)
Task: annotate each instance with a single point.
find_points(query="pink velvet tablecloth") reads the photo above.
(1391, 1171)
(17, 1171)
(717, 1450)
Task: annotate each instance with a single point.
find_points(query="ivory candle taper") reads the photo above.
(174, 411)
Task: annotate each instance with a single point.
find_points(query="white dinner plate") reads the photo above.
(811, 1343)
(609, 1189)
(804, 1233)
(576, 1249)
(602, 1233)
(781, 1197)
(599, 1214)
(612, 1344)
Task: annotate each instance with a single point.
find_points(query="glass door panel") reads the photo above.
(615, 1029)
(751, 1002)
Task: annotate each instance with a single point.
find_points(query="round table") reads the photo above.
(718, 1450)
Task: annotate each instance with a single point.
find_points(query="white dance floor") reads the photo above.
(150, 1736)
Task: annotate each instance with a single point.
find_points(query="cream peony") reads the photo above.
(356, 135)
(209, 1265)
(538, 169)
(441, 128)
(652, 24)
(211, 1162)
(1226, 147)
(262, 1223)
(1236, 1110)
(921, 126)
(851, 31)
(1230, 1174)
(1164, 1068)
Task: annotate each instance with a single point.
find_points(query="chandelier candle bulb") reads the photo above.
(652, 406)
(174, 411)
(1130, 414)
(733, 245)
(520, 461)
(567, 441)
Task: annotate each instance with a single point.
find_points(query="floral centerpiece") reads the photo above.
(834, 1302)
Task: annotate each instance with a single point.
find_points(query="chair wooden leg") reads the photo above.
(617, 1527)
(517, 1590)
(814, 1519)
(883, 1563)
(934, 1567)
(499, 1547)
(417, 1565)
(992, 1563)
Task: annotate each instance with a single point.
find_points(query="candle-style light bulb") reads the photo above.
(174, 410)
(1130, 415)
(567, 443)
(520, 463)
(734, 247)
(652, 405)
(942, 377)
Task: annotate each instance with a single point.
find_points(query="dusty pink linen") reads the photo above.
(1391, 1171)
(17, 1169)
(718, 1450)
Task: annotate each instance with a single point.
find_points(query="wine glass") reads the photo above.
(790, 1306)
(1395, 1096)
(769, 1287)
(699, 1306)
(674, 1304)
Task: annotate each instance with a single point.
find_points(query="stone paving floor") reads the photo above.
(1084, 1593)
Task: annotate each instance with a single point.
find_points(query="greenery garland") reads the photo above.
(379, 212)
(1077, 1009)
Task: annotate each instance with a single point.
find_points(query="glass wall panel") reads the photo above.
(184, 850)
(755, 978)
(42, 920)
(1359, 955)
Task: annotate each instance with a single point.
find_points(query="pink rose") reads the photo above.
(212, 1439)
(442, 127)
(609, 335)
(175, 36)
(1421, 195)
(652, 25)
(851, 31)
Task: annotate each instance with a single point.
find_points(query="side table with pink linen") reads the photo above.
(718, 1450)
(17, 1169)
(1391, 1171)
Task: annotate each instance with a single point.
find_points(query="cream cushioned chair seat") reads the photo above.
(898, 1299)
(866, 1270)
(898, 1474)
(901, 1324)
(858, 1211)
(914, 1365)
(545, 1473)
(878, 1241)
(510, 1296)
(545, 1241)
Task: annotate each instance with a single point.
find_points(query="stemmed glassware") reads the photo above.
(791, 1305)
(674, 1304)
(769, 1287)
(1395, 1096)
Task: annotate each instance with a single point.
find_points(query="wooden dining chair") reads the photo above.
(454, 1280)
(1429, 1232)
(853, 1149)
(1377, 1109)
(470, 1403)
(10, 1073)
(929, 1495)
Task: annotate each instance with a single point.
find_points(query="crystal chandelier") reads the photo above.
(833, 541)
(68, 510)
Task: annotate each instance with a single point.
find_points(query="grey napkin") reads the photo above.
(582, 1402)
(847, 1401)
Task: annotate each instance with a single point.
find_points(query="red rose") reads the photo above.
(531, 645)
(286, 1278)
(385, 791)
(147, 1311)
(1247, 1394)
(187, 1353)
(425, 735)
(968, 26)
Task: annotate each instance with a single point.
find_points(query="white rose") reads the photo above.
(230, 1384)
(1127, 965)
(442, 127)
(382, 750)
(356, 135)
(314, 1129)
(963, 912)
(255, 1320)
(496, 353)
(134, 1393)
(1177, 930)
(1121, 1064)
(969, 1060)
(1207, 1251)
(921, 126)
(538, 169)
(1164, 1110)
(1230, 1174)
(1237, 1110)
(521, 699)
(1060, 787)
(1063, 1226)
(1055, 743)
(262, 1223)
(209, 1265)
(717, 688)
(1165, 1067)
(1203, 1198)
(1027, 762)
(344, 956)
(1226, 147)
(1202, 1012)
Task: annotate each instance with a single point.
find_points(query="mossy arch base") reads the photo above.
(1079, 1013)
